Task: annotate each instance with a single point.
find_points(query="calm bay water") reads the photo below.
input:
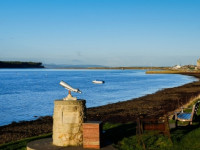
(27, 93)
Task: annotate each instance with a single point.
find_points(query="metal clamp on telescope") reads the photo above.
(69, 88)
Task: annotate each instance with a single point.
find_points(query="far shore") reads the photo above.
(153, 105)
(117, 68)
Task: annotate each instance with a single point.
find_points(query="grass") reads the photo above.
(184, 138)
(123, 137)
(21, 144)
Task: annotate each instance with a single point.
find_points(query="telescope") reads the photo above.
(69, 88)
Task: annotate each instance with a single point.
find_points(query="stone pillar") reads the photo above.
(67, 122)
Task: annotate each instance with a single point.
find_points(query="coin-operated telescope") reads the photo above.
(69, 88)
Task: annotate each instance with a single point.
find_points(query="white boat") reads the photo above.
(98, 81)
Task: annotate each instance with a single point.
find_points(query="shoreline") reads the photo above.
(151, 105)
(129, 97)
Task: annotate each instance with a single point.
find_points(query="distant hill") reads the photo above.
(62, 66)
(19, 64)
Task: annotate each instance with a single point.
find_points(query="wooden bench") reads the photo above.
(187, 117)
(160, 124)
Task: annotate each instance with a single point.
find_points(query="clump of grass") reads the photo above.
(149, 141)
(186, 138)
(108, 125)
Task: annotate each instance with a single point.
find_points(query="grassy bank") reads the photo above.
(123, 136)
(184, 137)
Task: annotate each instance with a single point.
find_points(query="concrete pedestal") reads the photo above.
(67, 122)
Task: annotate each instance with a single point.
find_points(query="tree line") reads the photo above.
(19, 64)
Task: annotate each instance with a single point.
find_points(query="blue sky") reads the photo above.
(101, 32)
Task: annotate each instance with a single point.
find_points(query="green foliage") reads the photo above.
(182, 139)
(186, 137)
(129, 143)
(149, 140)
(19, 64)
(108, 125)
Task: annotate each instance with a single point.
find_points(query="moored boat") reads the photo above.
(98, 81)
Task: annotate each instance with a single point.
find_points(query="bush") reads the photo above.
(149, 141)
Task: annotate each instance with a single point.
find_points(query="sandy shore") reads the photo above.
(149, 106)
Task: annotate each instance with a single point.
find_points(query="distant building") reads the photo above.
(198, 63)
(177, 67)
